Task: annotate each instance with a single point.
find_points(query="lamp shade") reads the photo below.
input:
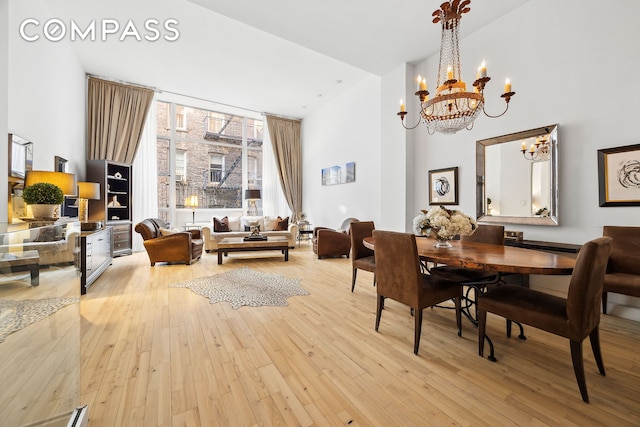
(66, 181)
(252, 194)
(192, 201)
(89, 190)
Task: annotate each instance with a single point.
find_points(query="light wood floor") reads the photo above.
(154, 356)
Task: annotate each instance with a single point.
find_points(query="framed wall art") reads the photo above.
(619, 176)
(443, 186)
(339, 174)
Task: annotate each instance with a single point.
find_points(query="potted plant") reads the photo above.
(44, 199)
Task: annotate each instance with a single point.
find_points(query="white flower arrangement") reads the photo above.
(444, 223)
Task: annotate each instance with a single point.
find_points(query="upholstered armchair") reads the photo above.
(623, 268)
(328, 242)
(163, 245)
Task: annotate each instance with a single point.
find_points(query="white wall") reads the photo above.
(46, 93)
(346, 129)
(396, 169)
(4, 104)
(567, 69)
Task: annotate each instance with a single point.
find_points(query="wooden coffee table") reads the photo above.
(238, 244)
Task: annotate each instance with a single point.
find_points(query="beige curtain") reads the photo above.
(116, 116)
(285, 139)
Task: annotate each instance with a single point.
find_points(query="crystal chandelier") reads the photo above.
(452, 108)
(539, 150)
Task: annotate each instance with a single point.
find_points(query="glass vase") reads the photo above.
(443, 244)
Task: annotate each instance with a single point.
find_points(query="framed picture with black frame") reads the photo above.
(443, 186)
(619, 176)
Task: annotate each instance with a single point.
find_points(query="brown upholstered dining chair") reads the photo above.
(574, 317)
(399, 277)
(623, 270)
(328, 242)
(362, 257)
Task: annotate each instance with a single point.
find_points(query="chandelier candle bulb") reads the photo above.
(482, 71)
(419, 80)
(402, 107)
(449, 73)
(524, 146)
(507, 86)
(423, 84)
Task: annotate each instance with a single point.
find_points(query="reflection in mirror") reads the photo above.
(517, 180)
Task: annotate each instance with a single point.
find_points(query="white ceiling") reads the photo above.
(279, 56)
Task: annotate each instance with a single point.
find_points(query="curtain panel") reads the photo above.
(116, 118)
(287, 150)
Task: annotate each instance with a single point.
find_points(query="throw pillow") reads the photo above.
(282, 224)
(221, 225)
(168, 232)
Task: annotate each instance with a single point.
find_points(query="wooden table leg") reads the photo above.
(219, 256)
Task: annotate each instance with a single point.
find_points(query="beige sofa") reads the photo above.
(55, 244)
(237, 226)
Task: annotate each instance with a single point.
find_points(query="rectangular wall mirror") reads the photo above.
(517, 178)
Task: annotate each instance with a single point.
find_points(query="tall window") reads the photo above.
(181, 165)
(208, 151)
(216, 168)
(215, 122)
(181, 117)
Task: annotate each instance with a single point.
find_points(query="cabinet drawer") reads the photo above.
(119, 246)
(120, 237)
(121, 228)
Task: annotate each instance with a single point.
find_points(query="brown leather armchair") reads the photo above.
(328, 242)
(623, 269)
(184, 246)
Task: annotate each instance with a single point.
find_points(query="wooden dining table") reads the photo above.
(484, 256)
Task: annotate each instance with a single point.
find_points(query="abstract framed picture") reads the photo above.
(619, 176)
(443, 186)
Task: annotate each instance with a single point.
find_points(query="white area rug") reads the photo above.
(245, 286)
(15, 315)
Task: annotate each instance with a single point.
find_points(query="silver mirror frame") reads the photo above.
(481, 197)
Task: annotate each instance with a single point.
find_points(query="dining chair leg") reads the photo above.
(578, 368)
(594, 337)
(482, 323)
(509, 323)
(418, 330)
(458, 302)
(353, 279)
(379, 310)
(604, 302)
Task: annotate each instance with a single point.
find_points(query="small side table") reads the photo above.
(191, 226)
(305, 232)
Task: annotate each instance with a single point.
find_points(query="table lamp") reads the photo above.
(86, 191)
(192, 202)
(252, 196)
